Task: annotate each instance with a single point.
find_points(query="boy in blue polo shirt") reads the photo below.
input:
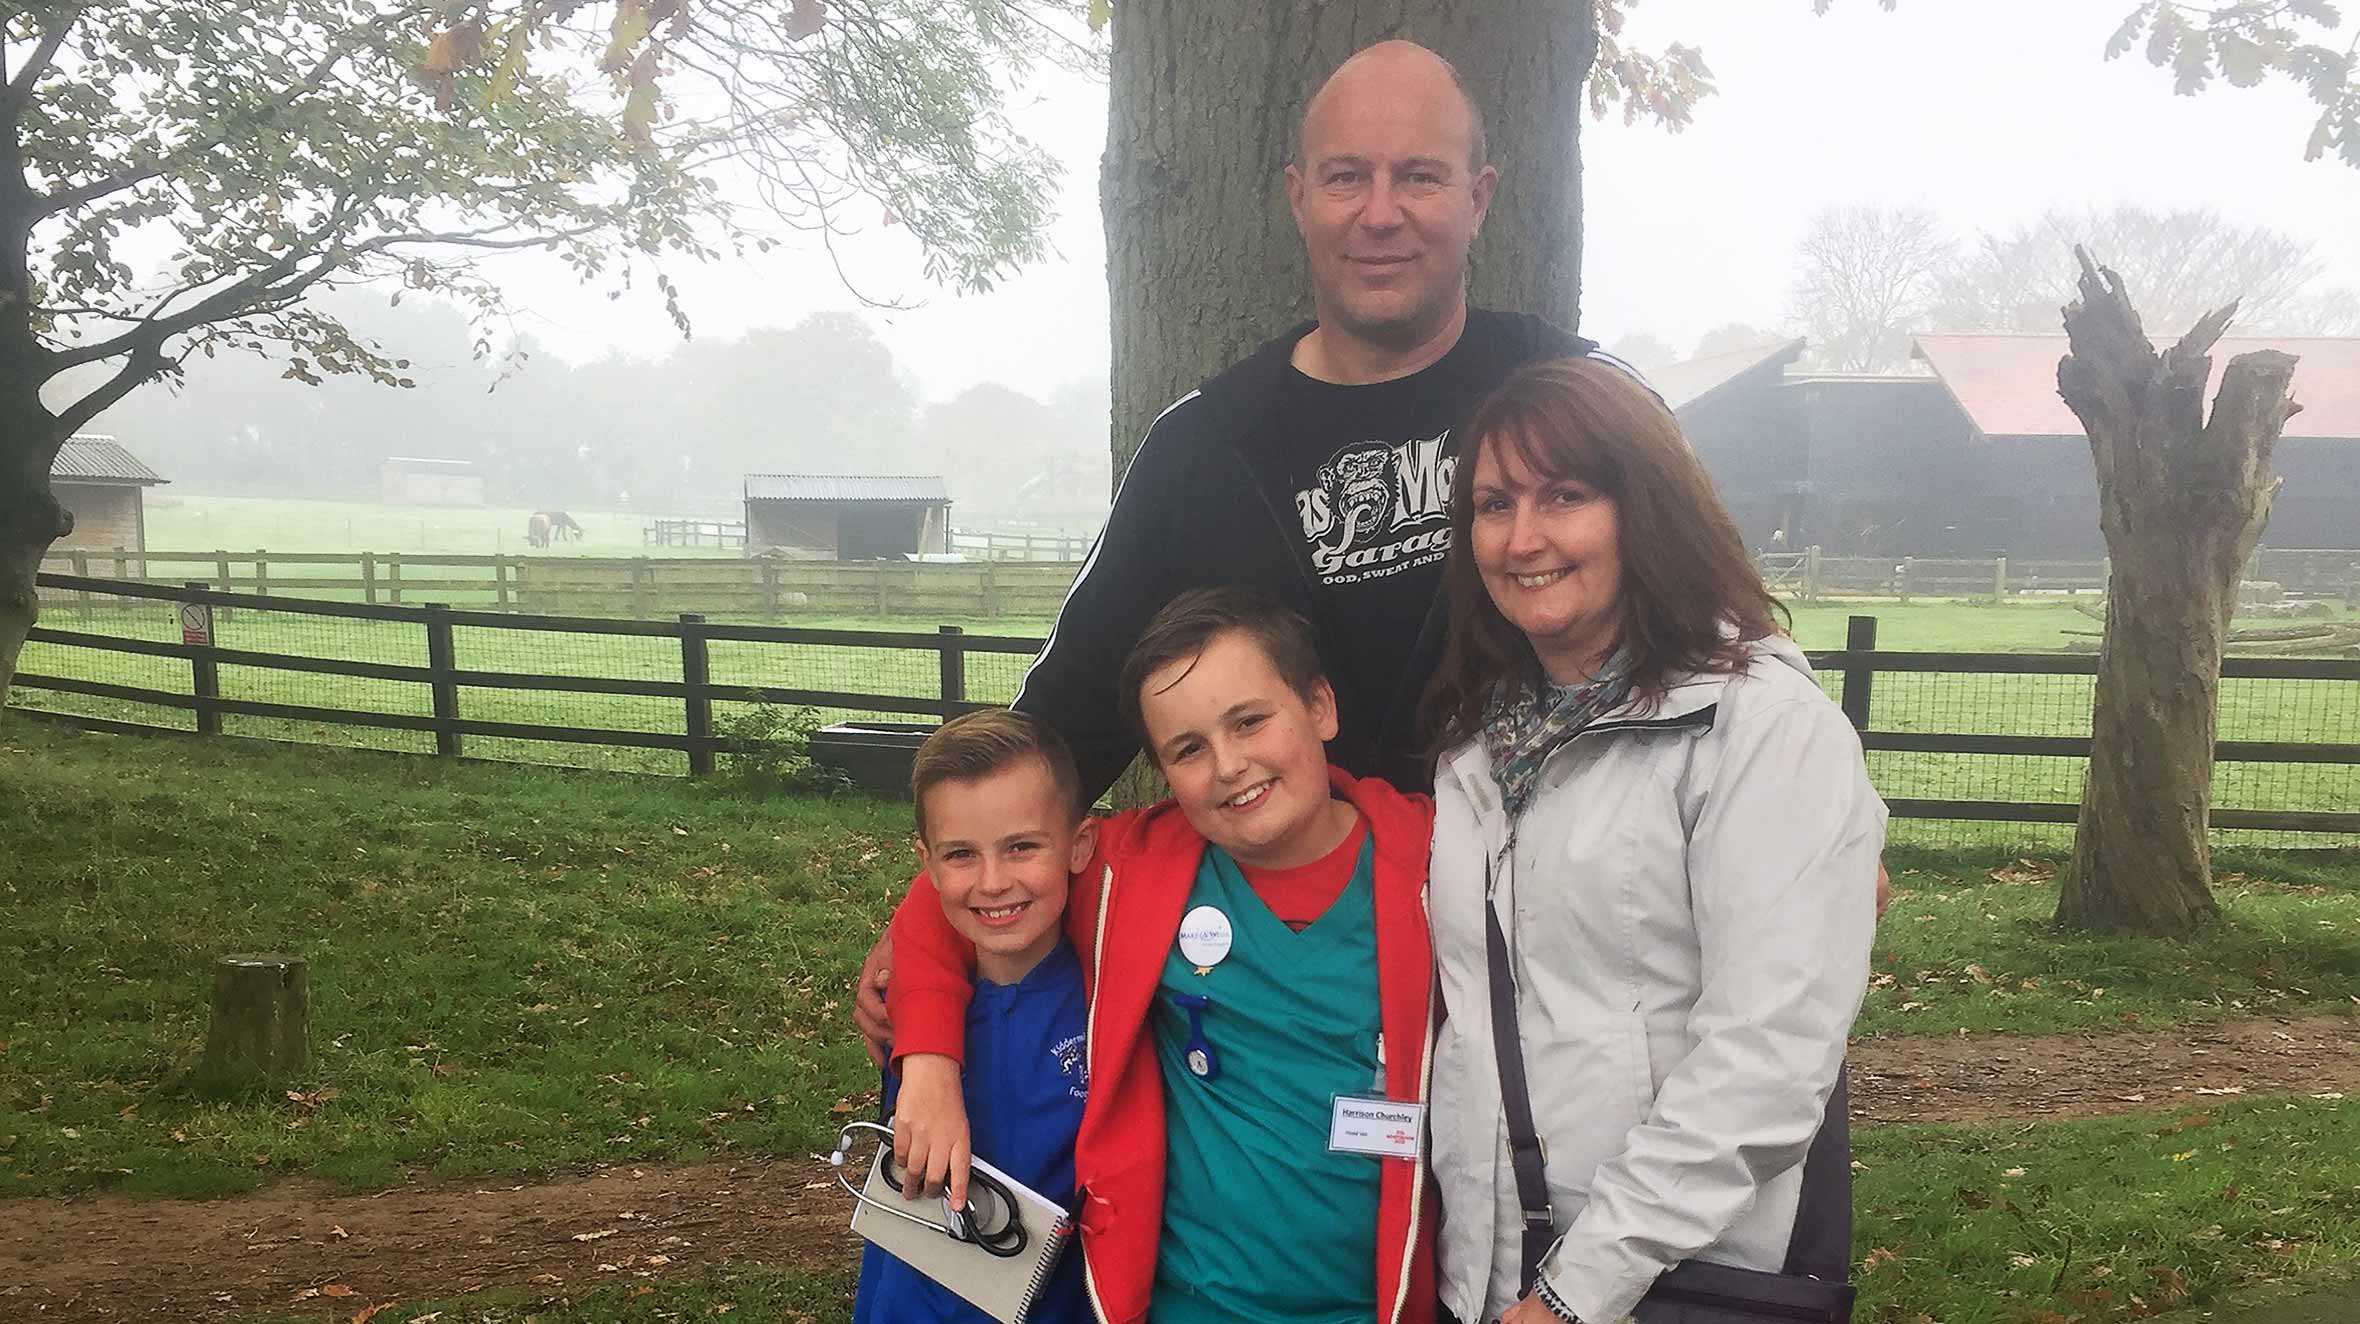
(1000, 829)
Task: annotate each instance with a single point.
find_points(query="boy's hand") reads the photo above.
(868, 1000)
(930, 1139)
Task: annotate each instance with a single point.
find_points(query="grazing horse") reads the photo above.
(561, 525)
(536, 529)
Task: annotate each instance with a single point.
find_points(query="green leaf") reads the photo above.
(1101, 13)
(2242, 61)
(2127, 35)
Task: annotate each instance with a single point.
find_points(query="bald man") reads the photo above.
(1317, 467)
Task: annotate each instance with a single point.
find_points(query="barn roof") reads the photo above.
(1689, 381)
(92, 458)
(2007, 384)
(828, 487)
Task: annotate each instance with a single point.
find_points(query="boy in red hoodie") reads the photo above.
(1256, 957)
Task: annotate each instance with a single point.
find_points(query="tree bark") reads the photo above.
(31, 517)
(2181, 501)
(1202, 259)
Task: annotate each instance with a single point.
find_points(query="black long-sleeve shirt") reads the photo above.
(1332, 497)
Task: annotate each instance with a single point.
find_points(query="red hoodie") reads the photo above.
(1145, 868)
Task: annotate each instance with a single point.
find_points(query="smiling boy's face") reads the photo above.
(1000, 849)
(1245, 753)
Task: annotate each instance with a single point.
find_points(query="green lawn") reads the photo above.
(188, 522)
(521, 971)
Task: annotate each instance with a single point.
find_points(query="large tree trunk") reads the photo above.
(31, 518)
(1202, 259)
(2182, 502)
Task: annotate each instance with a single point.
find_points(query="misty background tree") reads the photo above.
(179, 180)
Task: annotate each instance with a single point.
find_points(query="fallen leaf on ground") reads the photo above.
(593, 1236)
(335, 1289)
(367, 1313)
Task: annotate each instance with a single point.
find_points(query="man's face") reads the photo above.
(1387, 201)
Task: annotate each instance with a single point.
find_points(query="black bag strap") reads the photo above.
(1821, 1246)
(1524, 1141)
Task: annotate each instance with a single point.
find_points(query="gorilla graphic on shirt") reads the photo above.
(1377, 508)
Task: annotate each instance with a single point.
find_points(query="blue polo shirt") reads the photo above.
(1025, 1080)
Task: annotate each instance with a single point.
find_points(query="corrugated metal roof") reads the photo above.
(97, 458)
(827, 487)
(2007, 384)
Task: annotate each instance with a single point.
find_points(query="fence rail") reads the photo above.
(468, 701)
(1812, 575)
(639, 586)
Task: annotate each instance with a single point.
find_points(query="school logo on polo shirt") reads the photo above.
(1073, 1065)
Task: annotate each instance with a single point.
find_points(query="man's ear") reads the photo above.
(1487, 182)
(1085, 844)
(1295, 186)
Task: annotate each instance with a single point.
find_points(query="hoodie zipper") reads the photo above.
(1090, 1056)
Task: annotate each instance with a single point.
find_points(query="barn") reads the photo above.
(1973, 454)
(822, 517)
(410, 480)
(106, 488)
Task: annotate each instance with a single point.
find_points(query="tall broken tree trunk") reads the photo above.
(2182, 501)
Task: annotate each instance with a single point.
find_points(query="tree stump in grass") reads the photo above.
(261, 1022)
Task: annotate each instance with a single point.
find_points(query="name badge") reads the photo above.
(1379, 1128)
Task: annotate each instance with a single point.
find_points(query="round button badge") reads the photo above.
(1205, 937)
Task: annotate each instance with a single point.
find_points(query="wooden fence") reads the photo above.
(640, 586)
(991, 546)
(694, 533)
(1812, 576)
(1859, 664)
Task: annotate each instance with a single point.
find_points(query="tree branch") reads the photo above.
(146, 361)
(20, 87)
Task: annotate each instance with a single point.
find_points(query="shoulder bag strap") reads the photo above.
(1524, 1142)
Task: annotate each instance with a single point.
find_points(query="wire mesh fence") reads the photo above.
(620, 695)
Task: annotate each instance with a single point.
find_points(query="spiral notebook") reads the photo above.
(1004, 1288)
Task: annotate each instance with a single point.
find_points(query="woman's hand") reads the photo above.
(930, 1138)
(1530, 1311)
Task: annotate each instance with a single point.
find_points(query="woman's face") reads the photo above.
(1550, 555)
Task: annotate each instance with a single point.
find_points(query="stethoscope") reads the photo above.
(1004, 1237)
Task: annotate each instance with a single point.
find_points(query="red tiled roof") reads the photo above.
(2007, 384)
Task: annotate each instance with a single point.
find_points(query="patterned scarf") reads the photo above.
(1528, 720)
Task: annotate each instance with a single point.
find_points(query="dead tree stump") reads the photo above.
(261, 1023)
(2182, 499)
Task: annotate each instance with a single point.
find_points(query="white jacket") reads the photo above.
(1689, 903)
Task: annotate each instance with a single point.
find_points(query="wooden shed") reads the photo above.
(826, 518)
(105, 486)
(411, 480)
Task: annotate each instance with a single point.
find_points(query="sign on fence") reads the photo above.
(196, 623)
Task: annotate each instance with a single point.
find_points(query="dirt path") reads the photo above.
(303, 1249)
(1966, 1078)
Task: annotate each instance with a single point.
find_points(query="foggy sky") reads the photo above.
(1986, 112)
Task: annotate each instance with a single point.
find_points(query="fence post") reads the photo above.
(393, 578)
(442, 660)
(770, 593)
(221, 565)
(643, 588)
(1903, 578)
(500, 580)
(1860, 636)
(696, 670)
(204, 674)
(1811, 573)
(1999, 580)
(880, 569)
(122, 564)
(991, 594)
(261, 573)
(954, 667)
(369, 578)
(81, 563)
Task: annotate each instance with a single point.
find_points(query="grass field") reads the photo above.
(187, 522)
(521, 971)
